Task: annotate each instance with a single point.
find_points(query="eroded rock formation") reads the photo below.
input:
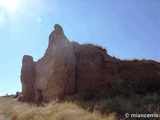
(68, 68)
(28, 78)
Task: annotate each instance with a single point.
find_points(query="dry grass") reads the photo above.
(76, 108)
(52, 111)
(119, 105)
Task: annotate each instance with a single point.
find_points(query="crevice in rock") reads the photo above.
(76, 70)
(39, 96)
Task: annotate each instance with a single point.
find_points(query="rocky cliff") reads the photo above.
(68, 68)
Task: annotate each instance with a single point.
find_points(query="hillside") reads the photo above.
(11, 109)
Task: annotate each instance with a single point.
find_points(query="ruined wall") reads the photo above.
(68, 68)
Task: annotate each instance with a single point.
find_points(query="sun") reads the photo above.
(9, 5)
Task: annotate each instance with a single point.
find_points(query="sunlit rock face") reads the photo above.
(68, 67)
(55, 72)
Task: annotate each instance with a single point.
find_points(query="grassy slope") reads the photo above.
(76, 109)
(51, 111)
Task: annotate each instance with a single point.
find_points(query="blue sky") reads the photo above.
(128, 29)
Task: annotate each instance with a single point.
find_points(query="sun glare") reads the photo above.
(9, 5)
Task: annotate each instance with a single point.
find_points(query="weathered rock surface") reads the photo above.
(55, 72)
(143, 75)
(28, 78)
(94, 68)
(54, 75)
(68, 68)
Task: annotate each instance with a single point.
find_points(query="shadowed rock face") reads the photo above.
(28, 78)
(68, 68)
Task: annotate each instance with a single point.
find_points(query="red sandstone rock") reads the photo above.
(68, 67)
(144, 75)
(94, 68)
